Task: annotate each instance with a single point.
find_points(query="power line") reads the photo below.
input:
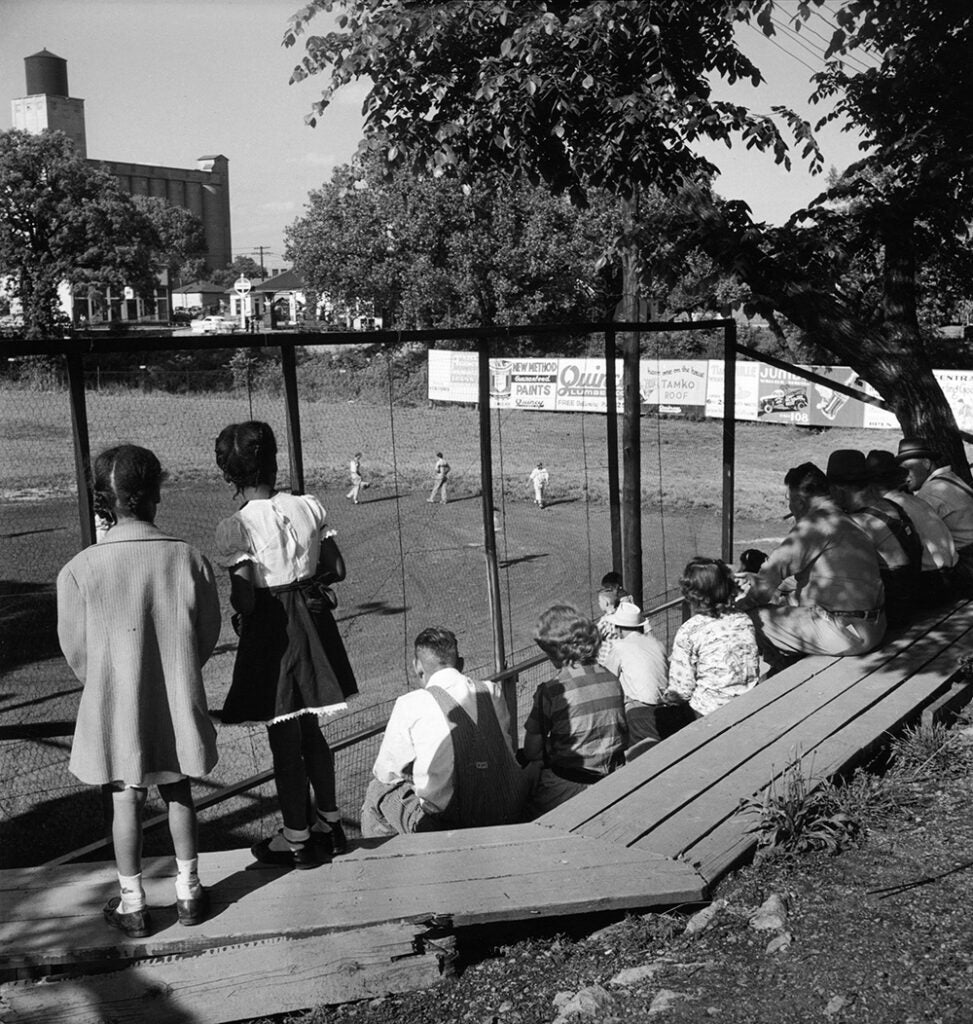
(820, 54)
(837, 28)
(793, 56)
(795, 36)
(818, 14)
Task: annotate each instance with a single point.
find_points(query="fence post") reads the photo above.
(486, 489)
(295, 453)
(611, 425)
(632, 462)
(82, 448)
(729, 434)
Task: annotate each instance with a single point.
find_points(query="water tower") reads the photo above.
(47, 104)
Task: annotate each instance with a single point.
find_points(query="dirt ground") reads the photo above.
(880, 934)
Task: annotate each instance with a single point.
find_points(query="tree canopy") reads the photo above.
(179, 245)
(241, 265)
(576, 94)
(427, 252)
(582, 94)
(61, 221)
(861, 265)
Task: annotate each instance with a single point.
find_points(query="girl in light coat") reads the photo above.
(138, 615)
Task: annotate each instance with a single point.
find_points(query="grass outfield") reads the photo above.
(681, 458)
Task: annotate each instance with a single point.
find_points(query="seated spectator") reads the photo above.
(835, 604)
(614, 579)
(752, 559)
(930, 478)
(444, 760)
(575, 732)
(612, 593)
(939, 579)
(640, 663)
(886, 524)
(714, 653)
(609, 598)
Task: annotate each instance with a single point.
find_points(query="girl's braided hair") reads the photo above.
(246, 453)
(127, 477)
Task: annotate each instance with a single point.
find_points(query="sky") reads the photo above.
(167, 81)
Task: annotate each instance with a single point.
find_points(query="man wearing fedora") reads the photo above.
(826, 575)
(939, 579)
(886, 524)
(639, 660)
(951, 498)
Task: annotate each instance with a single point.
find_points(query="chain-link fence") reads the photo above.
(412, 561)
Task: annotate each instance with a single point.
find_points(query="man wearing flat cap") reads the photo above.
(951, 497)
(826, 575)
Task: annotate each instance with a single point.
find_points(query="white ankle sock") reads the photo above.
(132, 893)
(187, 879)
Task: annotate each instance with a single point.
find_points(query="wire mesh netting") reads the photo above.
(414, 559)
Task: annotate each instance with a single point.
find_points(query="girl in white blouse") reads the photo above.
(291, 664)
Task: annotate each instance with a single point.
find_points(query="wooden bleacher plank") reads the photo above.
(543, 875)
(278, 975)
(847, 713)
(675, 795)
(656, 761)
(717, 852)
(686, 743)
(18, 880)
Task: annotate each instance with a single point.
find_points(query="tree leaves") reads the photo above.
(63, 220)
(431, 251)
(624, 82)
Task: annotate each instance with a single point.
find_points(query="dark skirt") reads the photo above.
(290, 660)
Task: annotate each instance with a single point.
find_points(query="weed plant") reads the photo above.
(798, 815)
(929, 751)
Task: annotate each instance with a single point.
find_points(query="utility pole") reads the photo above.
(260, 250)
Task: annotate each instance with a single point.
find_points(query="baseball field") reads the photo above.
(411, 563)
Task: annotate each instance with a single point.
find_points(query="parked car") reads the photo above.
(785, 399)
(181, 316)
(214, 325)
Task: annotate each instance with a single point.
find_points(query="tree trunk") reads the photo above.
(889, 356)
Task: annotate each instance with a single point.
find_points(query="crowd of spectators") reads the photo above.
(875, 539)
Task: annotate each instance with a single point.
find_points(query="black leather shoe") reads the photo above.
(135, 925)
(194, 910)
(301, 856)
(339, 841)
(333, 843)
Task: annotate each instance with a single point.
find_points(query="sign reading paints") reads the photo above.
(523, 383)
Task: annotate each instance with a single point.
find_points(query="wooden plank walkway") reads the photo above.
(381, 919)
(681, 798)
(391, 905)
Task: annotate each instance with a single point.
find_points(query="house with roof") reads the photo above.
(197, 295)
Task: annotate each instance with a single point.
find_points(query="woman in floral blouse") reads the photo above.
(714, 654)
